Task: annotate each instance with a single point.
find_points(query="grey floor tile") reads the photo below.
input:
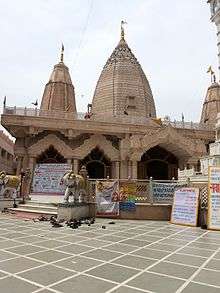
(50, 243)
(31, 239)
(102, 254)
(8, 243)
(119, 247)
(49, 255)
(125, 289)
(213, 264)
(196, 251)
(164, 247)
(134, 261)
(173, 270)
(74, 238)
(198, 288)
(111, 238)
(78, 263)
(208, 277)
(18, 264)
(46, 275)
(136, 242)
(204, 245)
(151, 253)
(14, 235)
(15, 285)
(113, 272)
(156, 283)
(94, 243)
(186, 259)
(74, 248)
(25, 249)
(83, 284)
(6, 255)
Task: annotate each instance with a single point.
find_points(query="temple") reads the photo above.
(120, 136)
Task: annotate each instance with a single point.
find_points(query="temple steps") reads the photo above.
(36, 208)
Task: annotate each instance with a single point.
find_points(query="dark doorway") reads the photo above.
(96, 170)
(159, 164)
(51, 156)
(97, 164)
(157, 170)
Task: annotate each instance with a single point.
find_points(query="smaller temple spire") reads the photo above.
(122, 29)
(62, 51)
(212, 74)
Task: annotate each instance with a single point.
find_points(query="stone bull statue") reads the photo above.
(9, 185)
(75, 186)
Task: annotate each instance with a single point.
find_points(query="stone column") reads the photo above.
(134, 169)
(76, 166)
(130, 169)
(124, 169)
(19, 165)
(69, 162)
(117, 170)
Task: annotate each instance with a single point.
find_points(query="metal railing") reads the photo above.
(34, 112)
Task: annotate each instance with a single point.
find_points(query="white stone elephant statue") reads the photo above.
(9, 185)
(75, 186)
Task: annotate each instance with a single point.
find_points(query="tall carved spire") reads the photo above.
(122, 88)
(59, 92)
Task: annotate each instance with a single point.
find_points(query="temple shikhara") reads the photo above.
(120, 136)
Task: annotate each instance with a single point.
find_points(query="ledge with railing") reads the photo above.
(34, 112)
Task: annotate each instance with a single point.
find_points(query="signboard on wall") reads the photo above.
(106, 191)
(214, 198)
(47, 178)
(185, 207)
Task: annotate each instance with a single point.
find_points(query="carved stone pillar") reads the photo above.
(19, 165)
(124, 170)
(117, 170)
(69, 162)
(76, 166)
(129, 169)
(134, 169)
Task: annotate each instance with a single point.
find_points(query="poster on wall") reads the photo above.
(106, 192)
(214, 198)
(185, 207)
(164, 192)
(47, 178)
(127, 196)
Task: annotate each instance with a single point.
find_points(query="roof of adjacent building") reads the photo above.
(122, 88)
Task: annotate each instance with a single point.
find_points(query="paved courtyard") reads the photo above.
(126, 257)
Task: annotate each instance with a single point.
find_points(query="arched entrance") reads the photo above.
(50, 156)
(159, 164)
(97, 164)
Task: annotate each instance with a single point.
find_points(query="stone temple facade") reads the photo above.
(120, 136)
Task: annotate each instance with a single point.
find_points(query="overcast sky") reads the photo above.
(173, 40)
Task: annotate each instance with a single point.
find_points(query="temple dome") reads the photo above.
(59, 92)
(122, 87)
(211, 105)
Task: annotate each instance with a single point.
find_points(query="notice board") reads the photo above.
(185, 206)
(214, 198)
(47, 178)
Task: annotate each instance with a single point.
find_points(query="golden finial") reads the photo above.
(62, 50)
(122, 29)
(212, 74)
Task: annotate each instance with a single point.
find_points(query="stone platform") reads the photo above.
(68, 211)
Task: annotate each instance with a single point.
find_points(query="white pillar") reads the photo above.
(76, 166)
(134, 169)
